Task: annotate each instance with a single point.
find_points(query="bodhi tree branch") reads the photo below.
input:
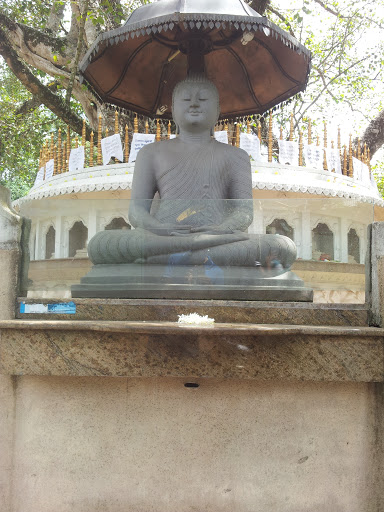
(79, 48)
(374, 134)
(35, 102)
(54, 102)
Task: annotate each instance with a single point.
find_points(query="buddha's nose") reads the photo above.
(195, 100)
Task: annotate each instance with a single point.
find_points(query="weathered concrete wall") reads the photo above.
(7, 416)
(10, 232)
(375, 274)
(110, 444)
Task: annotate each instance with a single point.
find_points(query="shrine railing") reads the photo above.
(63, 153)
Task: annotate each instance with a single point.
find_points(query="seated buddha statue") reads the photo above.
(192, 195)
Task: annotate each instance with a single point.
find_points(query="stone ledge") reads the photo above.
(223, 311)
(164, 349)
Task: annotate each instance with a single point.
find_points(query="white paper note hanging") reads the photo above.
(111, 147)
(251, 144)
(357, 169)
(39, 176)
(76, 159)
(49, 168)
(333, 160)
(138, 141)
(314, 156)
(221, 136)
(288, 152)
(365, 175)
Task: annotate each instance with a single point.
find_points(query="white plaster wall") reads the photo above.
(140, 445)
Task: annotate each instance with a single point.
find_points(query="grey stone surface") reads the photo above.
(191, 282)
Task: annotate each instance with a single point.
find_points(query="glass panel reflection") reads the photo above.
(174, 259)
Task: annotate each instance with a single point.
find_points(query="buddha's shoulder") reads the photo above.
(231, 152)
(154, 148)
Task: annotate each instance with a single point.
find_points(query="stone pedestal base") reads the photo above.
(191, 282)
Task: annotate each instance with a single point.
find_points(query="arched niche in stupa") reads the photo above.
(50, 238)
(78, 237)
(280, 227)
(117, 223)
(322, 242)
(353, 246)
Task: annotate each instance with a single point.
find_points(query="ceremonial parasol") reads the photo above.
(254, 64)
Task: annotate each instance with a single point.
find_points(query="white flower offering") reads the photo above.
(195, 319)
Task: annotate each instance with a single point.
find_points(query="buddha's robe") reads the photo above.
(210, 186)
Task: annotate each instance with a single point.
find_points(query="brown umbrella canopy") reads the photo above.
(254, 64)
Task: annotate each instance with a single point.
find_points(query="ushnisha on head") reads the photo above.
(195, 104)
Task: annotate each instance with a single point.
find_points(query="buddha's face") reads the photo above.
(195, 106)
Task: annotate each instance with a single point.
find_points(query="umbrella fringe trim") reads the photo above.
(234, 118)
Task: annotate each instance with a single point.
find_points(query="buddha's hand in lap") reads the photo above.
(211, 239)
(219, 230)
(170, 230)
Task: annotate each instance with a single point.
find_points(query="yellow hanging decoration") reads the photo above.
(68, 146)
(91, 145)
(291, 129)
(55, 159)
(135, 124)
(99, 135)
(116, 122)
(350, 160)
(59, 152)
(345, 165)
(64, 163)
(83, 135)
(158, 131)
(126, 144)
(270, 139)
(146, 126)
(169, 130)
(237, 135)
